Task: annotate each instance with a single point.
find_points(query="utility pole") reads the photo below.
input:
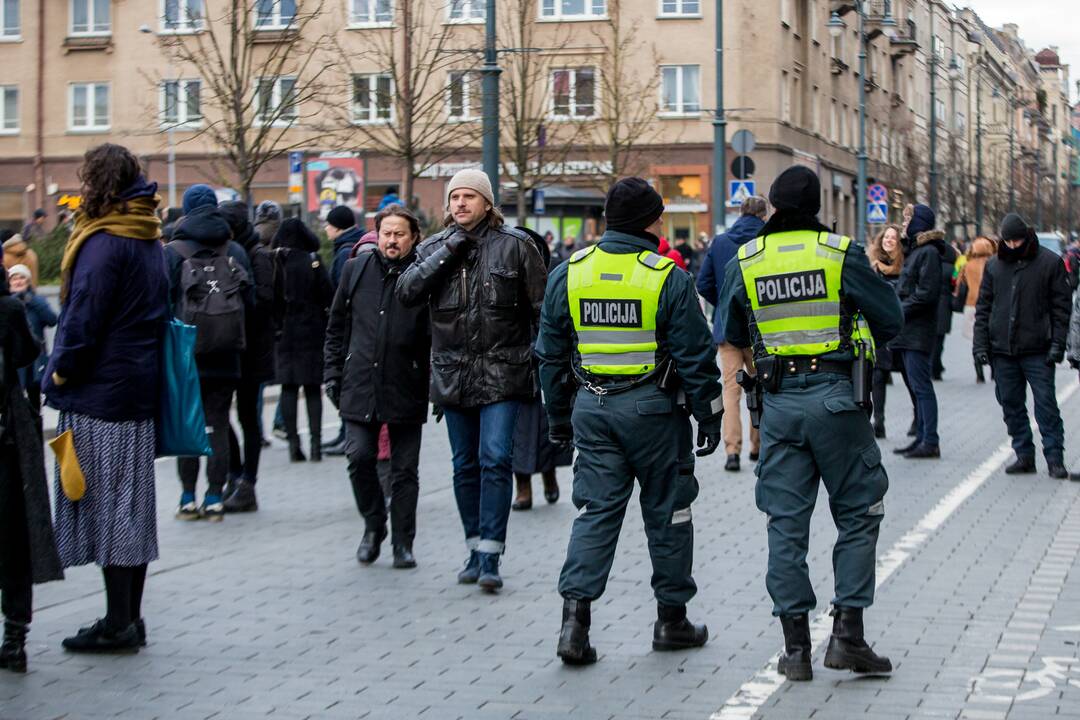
(933, 114)
(860, 183)
(1012, 155)
(719, 171)
(490, 127)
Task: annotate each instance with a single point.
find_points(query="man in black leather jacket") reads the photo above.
(484, 284)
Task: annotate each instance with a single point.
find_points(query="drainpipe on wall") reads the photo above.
(39, 124)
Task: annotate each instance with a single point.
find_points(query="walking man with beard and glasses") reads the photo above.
(483, 283)
(1021, 328)
(625, 356)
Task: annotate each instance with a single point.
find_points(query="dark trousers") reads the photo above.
(877, 394)
(917, 367)
(217, 398)
(482, 441)
(363, 451)
(123, 594)
(247, 409)
(1012, 375)
(290, 397)
(16, 576)
(936, 368)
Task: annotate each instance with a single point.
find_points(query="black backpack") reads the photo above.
(211, 287)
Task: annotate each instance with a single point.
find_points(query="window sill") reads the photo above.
(464, 21)
(276, 123)
(90, 130)
(88, 42)
(179, 31)
(370, 25)
(670, 115)
(182, 127)
(680, 16)
(9, 132)
(373, 123)
(274, 34)
(462, 120)
(574, 18)
(570, 118)
(11, 38)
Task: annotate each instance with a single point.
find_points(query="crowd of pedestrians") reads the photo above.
(466, 326)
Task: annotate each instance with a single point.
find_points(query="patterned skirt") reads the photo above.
(115, 523)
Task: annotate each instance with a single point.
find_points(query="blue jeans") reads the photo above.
(1012, 375)
(482, 441)
(917, 367)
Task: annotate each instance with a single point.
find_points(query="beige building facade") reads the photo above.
(591, 89)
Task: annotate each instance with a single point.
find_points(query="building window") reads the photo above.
(677, 8)
(9, 109)
(812, 20)
(464, 96)
(939, 111)
(680, 89)
(182, 15)
(815, 111)
(373, 99)
(274, 14)
(90, 17)
(572, 9)
(371, 12)
(181, 102)
(573, 93)
(275, 101)
(785, 97)
(9, 19)
(89, 106)
(466, 10)
(833, 124)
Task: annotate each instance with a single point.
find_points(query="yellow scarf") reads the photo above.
(139, 223)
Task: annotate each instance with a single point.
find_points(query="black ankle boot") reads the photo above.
(673, 631)
(795, 661)
(847, 647)
(295, 453)
(370, 545)
(316, 447)
(574, 647)
(13, 651)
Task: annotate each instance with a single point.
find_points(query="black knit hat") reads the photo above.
(796, 189)
(342, 218)
(1013, 227)
(632, 205)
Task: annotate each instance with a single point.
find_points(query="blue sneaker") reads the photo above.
(471, 573)
(489, 580)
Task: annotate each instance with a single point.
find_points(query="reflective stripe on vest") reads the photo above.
(793, 282)
(614, 298)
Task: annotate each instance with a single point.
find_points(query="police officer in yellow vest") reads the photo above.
(623, 346)
(808, 304)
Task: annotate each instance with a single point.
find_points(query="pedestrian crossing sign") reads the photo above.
(877, 213)
(740, 191)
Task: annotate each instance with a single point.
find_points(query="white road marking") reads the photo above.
(756, 692)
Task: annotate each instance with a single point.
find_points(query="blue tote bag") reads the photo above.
(181, 426)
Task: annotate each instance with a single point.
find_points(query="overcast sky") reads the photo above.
(1042, 23)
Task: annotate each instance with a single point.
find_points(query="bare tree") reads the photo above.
(536, 86)
(399, 89)
(627, 102)
(263, 79)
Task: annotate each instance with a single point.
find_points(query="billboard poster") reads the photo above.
(334, 181)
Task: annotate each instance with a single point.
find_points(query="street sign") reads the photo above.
(743, 167)
(739, 191)
(877, 193)
(539, 205)
(743, 142)
(296, 162)
(877, 213)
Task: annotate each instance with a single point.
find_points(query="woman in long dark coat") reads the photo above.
(27, 547)
(302, 296)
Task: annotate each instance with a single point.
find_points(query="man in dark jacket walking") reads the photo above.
(484, 285)
(377, 356)
(919, 290)
(710, 283)
(1021, 327)
(343, 231)
(203, 231)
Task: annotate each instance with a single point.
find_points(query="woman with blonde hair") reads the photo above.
(967, 288)
(886, 256)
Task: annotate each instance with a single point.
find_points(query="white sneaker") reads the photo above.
(188, 511)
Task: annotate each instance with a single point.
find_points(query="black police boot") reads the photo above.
(242, 499)
(673, 631)
(906, 448)
(922, 451)
(848, 649)
(370, 544)
(13, 651)
(574, 647)
(1021, 466)
(795, 661)
(403, 557)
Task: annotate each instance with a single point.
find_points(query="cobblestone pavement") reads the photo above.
(269, 615)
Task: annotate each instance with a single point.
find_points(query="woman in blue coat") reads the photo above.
(39, 315)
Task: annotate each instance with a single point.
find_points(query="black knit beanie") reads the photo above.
(797, 189)
(632, 205)
(1013, 227)
(341, 217)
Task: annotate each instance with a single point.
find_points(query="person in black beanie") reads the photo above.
(616, 318)
(1021, 328)
(343, 231)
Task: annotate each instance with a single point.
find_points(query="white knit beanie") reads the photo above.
(473, 180)
(20, 269)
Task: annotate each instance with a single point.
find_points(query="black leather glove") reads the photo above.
(709, 435)
(1055, 356)
(460, 242)
(561, 434)
(333, 392)
(437, 413)
(982, 358)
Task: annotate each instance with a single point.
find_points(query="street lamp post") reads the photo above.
(719, 173)
(978, 152)
(933, 115)
(490, 127)
(954, 78)
(1012, 155)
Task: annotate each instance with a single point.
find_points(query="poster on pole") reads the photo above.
(334, 181)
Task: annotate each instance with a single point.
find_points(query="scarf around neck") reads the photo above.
(135, 219)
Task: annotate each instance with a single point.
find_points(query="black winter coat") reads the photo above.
(1024, 304)
(302, 296)
(919, 290)
(257, 360)
(22, 458)
(377, 347)
(945, 311)
(485, 309)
